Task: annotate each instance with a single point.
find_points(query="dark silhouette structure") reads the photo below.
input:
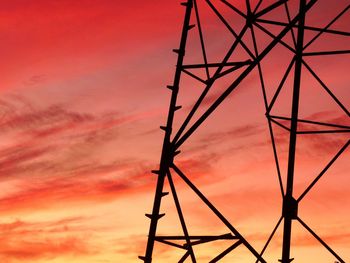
(255, 16)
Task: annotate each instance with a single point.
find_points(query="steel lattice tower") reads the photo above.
(255, 18)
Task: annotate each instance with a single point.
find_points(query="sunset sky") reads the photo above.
(83, 93)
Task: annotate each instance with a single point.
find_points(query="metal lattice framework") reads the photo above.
(255, 18)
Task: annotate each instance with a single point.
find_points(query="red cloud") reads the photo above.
(81, 189)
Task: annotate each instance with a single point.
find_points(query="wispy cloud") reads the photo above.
(55, 136)
(58, 155)
(334, 238)
(241, 137)
(97, 186)
(24, 240)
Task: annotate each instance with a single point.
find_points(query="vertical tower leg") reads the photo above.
(290, 205)
(168, 149)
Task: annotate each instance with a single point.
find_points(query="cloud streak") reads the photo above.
(23, 240)
(62, 152)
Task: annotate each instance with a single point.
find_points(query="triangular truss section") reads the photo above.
(264, 26)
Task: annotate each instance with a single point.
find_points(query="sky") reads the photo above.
(83, 93)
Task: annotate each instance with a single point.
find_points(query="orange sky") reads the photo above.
(83, 94)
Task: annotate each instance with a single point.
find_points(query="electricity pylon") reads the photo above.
(255, 17)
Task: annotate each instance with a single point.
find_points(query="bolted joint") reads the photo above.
(250, 19)
(290, 207)
(172, 153)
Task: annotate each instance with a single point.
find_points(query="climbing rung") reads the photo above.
(155, 172)
(190, 27)
(176, 153)
(177, 107)
(150, 216)
(160, 216)
(142, 258)
(179, 52)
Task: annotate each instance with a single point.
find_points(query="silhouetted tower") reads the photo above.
(256, 16)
